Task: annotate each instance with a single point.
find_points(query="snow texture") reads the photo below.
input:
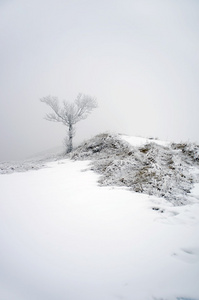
(146, 166)
(35, 163)
(62, 236)
(149, 166)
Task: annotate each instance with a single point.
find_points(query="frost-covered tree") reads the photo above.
(70, 113)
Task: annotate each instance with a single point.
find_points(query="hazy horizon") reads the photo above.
(140, 59)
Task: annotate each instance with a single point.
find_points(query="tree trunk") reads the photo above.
(70, 138)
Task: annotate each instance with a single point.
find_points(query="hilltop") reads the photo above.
(149, 166)
(144, 165)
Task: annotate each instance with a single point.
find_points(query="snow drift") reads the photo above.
(62, 236)
(151, 167)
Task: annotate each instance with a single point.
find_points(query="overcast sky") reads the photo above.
(140, 59)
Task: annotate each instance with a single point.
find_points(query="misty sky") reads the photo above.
(139, 58)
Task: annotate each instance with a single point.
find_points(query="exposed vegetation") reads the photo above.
(162, 171)
(152, 169)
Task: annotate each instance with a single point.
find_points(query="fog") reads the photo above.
(140, 59)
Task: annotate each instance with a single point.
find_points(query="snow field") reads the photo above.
(64, 237)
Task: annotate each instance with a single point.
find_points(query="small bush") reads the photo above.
(151, 169)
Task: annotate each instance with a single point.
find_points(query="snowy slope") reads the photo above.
(137, 141)
(64, 237)
(146, 166)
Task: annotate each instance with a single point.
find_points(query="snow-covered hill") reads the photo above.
(63, 236)
(145, 165)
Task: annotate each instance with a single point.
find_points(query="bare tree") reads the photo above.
(70, 113)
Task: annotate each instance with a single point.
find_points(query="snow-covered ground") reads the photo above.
(63, 237)
(137, 141)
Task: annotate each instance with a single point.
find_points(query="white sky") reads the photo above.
(140, 59)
